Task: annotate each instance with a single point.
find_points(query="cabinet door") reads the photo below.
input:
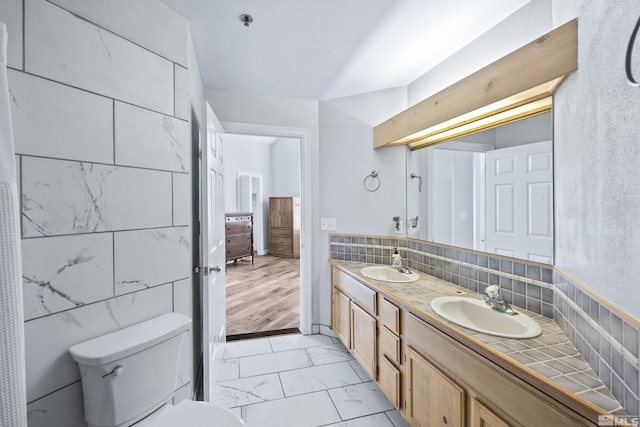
(281, 212)
(341, 317)
(481, 416)
(432, 399)
(274, 212)
(389, 381)
(363, 339)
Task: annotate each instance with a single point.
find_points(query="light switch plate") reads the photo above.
(328, 224)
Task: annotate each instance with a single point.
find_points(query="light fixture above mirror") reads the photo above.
(517, 86)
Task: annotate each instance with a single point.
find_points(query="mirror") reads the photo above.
(491, 191)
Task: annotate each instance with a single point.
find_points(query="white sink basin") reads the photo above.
(475, 314)
(388, 274)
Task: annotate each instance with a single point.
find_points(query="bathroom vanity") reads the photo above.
(437, 373)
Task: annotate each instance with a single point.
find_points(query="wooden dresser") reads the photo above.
(284, 226)
(239, 236)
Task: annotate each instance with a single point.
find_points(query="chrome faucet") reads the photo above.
(494, 299)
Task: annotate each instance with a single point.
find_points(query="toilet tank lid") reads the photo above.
(129, 340)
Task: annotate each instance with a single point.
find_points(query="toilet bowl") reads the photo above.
(129, 378)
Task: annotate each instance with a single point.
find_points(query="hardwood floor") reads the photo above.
(264, 296)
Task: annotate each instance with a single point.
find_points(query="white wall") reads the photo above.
(101, 123)
(285, 167)
(531, 21)
(346, 158)
(246, 155)
(597, 155)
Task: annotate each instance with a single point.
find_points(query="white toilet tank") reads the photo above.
(129, 373)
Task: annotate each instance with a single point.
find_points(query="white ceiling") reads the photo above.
(323, 49)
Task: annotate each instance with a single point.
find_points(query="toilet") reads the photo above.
(129, 377)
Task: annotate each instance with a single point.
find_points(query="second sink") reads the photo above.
(388, 274)
(476, 315)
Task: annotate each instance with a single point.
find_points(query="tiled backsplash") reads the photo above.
(524, 285)
(605, 339)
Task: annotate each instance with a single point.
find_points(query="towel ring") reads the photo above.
(371, 182)
(627, 63)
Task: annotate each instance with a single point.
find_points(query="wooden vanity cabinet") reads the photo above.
(491, 396)
(341, 317)
(432, 398)
(433, 378)
(363, 339)
(481, 416)
(353, 319)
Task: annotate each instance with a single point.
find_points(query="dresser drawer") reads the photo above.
(390, 316)
(361, 294)
(239, 239)
(281, 232)
(282, 241)
(280, 250)
(243, 227)
(238, 250)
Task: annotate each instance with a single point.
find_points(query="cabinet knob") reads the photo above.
(444, 420)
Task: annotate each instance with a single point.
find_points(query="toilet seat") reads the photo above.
(192, 414)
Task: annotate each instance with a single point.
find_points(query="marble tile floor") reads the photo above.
(300, 381)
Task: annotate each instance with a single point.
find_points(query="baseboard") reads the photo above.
(325, 330)
(262, 334)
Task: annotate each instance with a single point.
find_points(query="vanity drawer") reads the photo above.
(390, 316)
(389, 345)
(361, 294)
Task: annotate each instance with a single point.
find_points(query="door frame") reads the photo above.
(306, 247)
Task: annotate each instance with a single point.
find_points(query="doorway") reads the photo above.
(263, 291)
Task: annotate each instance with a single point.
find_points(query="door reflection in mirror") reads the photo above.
(491, 191)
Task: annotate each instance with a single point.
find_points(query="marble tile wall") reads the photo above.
(103, 146)
(605, 337)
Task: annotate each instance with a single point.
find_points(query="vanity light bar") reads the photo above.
(502, 118)
(539, 92)
(513, 80)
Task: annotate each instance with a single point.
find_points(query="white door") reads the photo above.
(520, 202)
(213, 252)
